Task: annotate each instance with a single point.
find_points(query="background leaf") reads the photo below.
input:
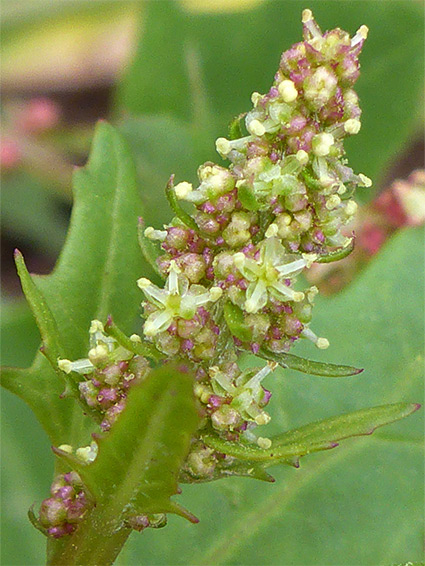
(239, 53)
(359, 504)
(95, 276)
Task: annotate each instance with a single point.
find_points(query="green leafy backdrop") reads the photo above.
(362, 503)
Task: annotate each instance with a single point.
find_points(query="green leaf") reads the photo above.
(94, 277)
(235, 320)
(321, 435)
(308, 366)
(342, 507)
(138, 462)
(176, 208)
(157, 81)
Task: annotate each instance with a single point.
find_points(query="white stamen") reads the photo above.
(366, 182)
(322, 144)
(287, 91)
(352, 126)
(135, 338)
(302, 156)
(66, 448)
(361, 35)
(321, 343)
(183, 189)
(256, 128)
(153, 234)
(223, 146)
(332, 202)
(143, 283)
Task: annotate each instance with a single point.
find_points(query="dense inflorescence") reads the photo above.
(279, 207)
(230, 267)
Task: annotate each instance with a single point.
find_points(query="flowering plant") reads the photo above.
(228, 271)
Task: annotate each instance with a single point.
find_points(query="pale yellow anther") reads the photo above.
(309, 259)
(98, 354)
(149, 231)
(286, 219)
(135, 338)
(322, 144)
(287, 90)
(351, 207)
(65, 365)
(256, 128)
(87, 453)
(352, 126)
(66, 448)
(263, 419)
(174, 267)
(143, 283)
(272, 231)
(298, 296)
(322, 343)
(96, 326)
(264, 442)
(366, 182)
(215, 293)
(307, 15)
(223, 146)
(363, 31)
(239, 259)
(183, 189)
(302, 157)
(255, 98)
(332, 202)
(312, 292)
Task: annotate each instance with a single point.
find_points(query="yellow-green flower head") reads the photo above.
(177, 299)
(268, 274)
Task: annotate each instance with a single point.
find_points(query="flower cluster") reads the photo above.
(280, 206)
(108, 372)
(230, 267)
(60, 514)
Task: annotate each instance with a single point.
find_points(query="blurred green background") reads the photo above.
(171, 75)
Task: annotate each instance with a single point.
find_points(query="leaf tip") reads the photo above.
(109, 321)
(17, 254)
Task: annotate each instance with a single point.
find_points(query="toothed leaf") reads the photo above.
(308, 366)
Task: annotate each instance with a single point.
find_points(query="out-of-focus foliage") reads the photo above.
(195, 68)
(225, 57)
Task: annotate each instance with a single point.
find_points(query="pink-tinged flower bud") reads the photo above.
(192, 266)
(52, 512)
(320, 87)
(226, 418)
(237, 233)
(177, 237)
(201, 463)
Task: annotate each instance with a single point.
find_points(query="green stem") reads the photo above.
(94, 543)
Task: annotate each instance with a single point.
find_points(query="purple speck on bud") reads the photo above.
(220, 241)
(288, 282)
(243, 284)
(172, 329)
(237, 341)
(208, 207)
(210, 273)
(62, 530)
(215, 401)
(187, 345)
(230, 278)
(267, 396)
(255, 347)
(216, 329)
(65, 492)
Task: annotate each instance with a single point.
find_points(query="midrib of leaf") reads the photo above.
(279, 500)
(145, 451)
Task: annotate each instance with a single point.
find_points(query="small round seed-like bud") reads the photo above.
(256, 128)
(264, 442)
(352, 126)
(287, 91)
(183, 189)
(223, 146)
(322, 144)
